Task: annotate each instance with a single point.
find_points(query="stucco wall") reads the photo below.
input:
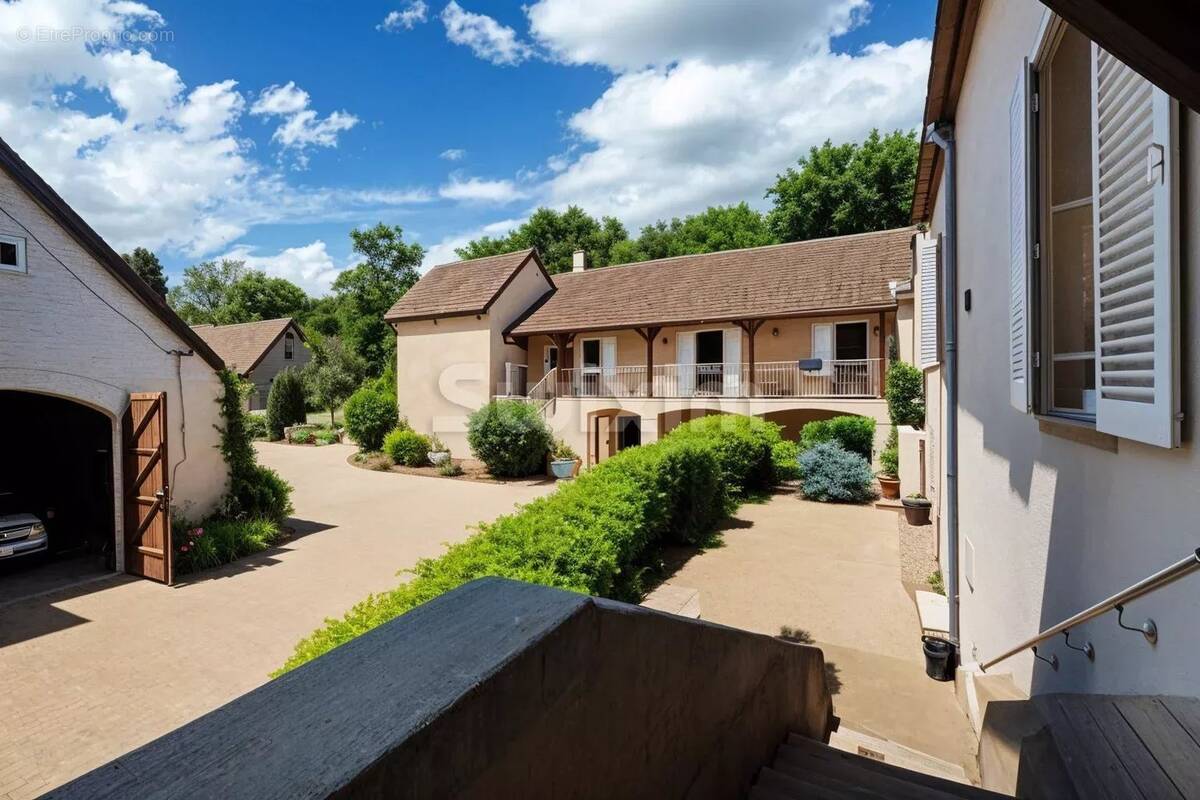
(1057, 525)
(526, 288)
(272, 364)
(57, 338)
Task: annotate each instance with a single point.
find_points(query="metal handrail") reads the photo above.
(1143, 587)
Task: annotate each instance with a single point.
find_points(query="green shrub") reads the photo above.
(510, 437)
(595, 534)
(304, 436)
(265, 495)
(889, 458)
(561, 451)
(743, 445)
(254, 490)
(785, 458)
(256, 425)
(853, 433)
(829, 472)
(370, 414)
(407, 447)
(905, 392)
(326, 436)
(450, 469)
(218, 541)
(285, 403)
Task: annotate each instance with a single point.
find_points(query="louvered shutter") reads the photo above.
(1019, 372)
(1134, 177)
(927, 272)
(732, 369)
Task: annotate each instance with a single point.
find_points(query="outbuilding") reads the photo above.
(110, 401)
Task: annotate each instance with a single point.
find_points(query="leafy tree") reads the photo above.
(148, 268)
(714, 229)
(846, 188)
(364, 293)
(256, 296)
(556, 235)
(204, 289)
(332, 375)
(285, 403)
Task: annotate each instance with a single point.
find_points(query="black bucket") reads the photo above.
(939, 658)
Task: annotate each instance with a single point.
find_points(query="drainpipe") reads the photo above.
(942, 135)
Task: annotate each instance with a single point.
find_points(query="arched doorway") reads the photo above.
(609, 431)
(61, 472)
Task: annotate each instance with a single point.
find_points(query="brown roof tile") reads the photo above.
(243, 345)
(464, 287)
(839, 273)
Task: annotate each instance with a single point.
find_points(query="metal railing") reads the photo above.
(856, 378)
(515, 379)
(544, 392)
(1117, 602)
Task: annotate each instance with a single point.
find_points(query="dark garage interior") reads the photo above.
(58, 466)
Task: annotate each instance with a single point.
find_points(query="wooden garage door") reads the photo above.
(147, 495)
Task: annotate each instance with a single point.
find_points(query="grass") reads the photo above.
(322, 418)
(935, 583)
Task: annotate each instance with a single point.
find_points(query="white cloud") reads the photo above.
(415, 12)
(302, 127)
(486, 37)
(286, 99)
(453, 154)
(310, 267)
(443, 251)
(480, 191)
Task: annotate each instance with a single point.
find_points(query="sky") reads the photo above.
(266, 131)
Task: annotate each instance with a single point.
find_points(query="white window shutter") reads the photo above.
(822, 345)
(685, 358)
(733, 361)
(1019, 369)
(927, 274)
(1135, 256)
(608, 353)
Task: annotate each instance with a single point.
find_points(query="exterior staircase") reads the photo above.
(806, 768)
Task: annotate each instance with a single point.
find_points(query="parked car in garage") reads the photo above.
(21, 533)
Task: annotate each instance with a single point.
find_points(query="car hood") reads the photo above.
(18, 520)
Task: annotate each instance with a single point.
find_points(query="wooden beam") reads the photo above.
(751, 326)
(649, 334)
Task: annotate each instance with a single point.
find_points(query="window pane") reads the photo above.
(1074, 385)
(1072, 315)
(8, 254)
(591, 352)
(851, 341)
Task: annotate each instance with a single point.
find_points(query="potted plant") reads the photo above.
(889, 475)
(563, 460)
(438, 453)
(916, 509)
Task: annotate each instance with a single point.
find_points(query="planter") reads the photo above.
(439, 457)
(889, 487)
(939, 658)
(916, 510)
(563, 469)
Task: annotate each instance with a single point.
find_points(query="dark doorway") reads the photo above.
(710, 347)
(629, 432)
(850, 341)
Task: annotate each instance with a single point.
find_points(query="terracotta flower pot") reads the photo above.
(890, 487)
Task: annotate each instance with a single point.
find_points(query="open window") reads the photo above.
(12, 253)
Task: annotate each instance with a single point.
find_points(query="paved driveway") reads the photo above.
(94, 672)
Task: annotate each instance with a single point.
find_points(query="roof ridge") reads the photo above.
(241, 324)
(463, 261)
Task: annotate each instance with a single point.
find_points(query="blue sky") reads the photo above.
(266, 131)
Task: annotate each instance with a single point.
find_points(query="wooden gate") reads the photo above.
(147, 496)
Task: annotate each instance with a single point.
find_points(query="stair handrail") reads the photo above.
(544, 390)
(1170, 574)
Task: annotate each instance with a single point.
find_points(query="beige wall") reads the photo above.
(1054, 524)
(271, 365)
(57, 338)
(525, 289)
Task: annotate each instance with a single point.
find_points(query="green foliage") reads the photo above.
(830, 473)
(889, 459)
(219, 541)
(254, 490)
(595, 534)
(370, 414)
(450, 469)
(407, 447)
(561, 451)
(256, 425)
(743, 445)
(936, 583)
(285, 403)
(365, 292)
(510, 437)
(225, 292)
(304, 436)
(326, 436)
(785, 458)
(714, 229)
(905, 392)
(148, 268)
(556, 235)
(854, 433)
(203, 290)
(332, 375)
(846, 188)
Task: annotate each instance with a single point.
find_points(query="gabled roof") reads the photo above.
(90, 241)
(245, 344)
(462, 288)
(842, 273)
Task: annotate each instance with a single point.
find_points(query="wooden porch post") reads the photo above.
(883, 355)
(561, 341)
(751, 326)
(649, 334)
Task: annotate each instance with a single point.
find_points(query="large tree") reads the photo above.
(714, 229)
(332, 375)
(846, 188)
(148, 268)
(365, 292)
(556, 235)
(203, 290)
(257, 295)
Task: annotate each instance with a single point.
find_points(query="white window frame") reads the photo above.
(22, 265)
(583, 366)
(289, 346)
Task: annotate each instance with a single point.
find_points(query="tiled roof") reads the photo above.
(243, 345)
(840, 273)
(464, 287)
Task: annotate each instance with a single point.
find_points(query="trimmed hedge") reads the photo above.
(905, 392)
(785, 457)
(596, 534)
(853, 433)
(510, 437)
(370, 414)
(831, 473)
(407, 447)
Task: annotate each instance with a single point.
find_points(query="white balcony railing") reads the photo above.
(857, 378)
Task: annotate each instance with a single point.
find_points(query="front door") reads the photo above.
(710, 362)
(550, 359)
(852, 370)
(147, 494)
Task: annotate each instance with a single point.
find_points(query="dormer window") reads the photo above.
(12, 253)
(289, 345)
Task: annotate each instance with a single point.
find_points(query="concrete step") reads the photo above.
(889, 752)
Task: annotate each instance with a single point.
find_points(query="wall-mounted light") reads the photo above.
(876, 330)
(774, 331)
(664, 340)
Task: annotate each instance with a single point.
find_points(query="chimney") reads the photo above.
(579, 261)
